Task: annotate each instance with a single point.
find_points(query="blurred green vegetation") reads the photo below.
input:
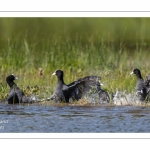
(108, 47)
(82, 29)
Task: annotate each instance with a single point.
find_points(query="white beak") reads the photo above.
(16, 78)
(54, 74)
(132, 72)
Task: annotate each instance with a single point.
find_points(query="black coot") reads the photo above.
(142, 87)
(78, 88)
(16, 95)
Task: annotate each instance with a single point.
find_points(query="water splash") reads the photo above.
(123, 98)
(119, 98)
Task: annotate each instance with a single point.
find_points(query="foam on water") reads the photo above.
(122, 98)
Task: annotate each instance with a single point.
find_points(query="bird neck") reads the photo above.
(60, 79)
(139, 76)
(11, 84)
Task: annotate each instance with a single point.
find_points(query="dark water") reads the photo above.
(73, 119)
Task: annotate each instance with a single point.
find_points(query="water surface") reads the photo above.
(73, 119)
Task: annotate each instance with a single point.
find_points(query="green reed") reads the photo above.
(107, 47)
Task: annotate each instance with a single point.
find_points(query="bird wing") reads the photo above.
(80, 87)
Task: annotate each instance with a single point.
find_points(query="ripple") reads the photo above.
(74, 119)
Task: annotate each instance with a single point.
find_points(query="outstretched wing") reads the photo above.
(80, 87)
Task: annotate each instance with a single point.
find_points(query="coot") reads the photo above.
(142, 87)
(16, 95)
(77, 89)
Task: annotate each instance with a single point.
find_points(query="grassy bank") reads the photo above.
(108, 47)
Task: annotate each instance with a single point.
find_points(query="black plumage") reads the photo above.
(15, 95)
(147, 83)
(103, 95)
(77, 89)
(142, 87)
